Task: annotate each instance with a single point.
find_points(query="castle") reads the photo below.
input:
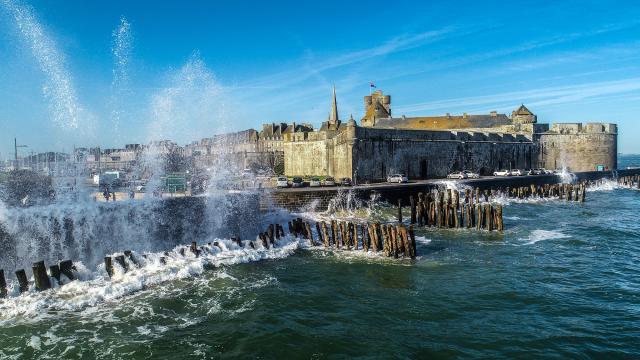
(433, 146)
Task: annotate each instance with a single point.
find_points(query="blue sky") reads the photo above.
(108, 73)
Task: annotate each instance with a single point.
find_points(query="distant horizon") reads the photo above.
(120, 72)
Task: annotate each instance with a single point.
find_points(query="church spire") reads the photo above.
(333, 117)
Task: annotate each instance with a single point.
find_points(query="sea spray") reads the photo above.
(121, 51)
(86, 231)
(58, 87)
(189, 104)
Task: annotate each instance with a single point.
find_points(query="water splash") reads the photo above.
(121, 51)
(58, 88)
(567, 177)
(189, 104)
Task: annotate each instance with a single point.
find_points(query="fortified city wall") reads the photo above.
(579, 147)
(421, 154)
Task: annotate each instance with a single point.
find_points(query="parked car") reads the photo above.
(282, 182)
(297, 182)
(329, 182)
(545, 171)
(517, 172)
(315, 182)
(471, 175)
(345, 181)
(457, 175)
(502, 173)
(397, 178)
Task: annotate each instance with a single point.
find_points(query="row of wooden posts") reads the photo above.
(569, 192)
(41, 278)
(448, 209)
(632, 181)
(392, 240)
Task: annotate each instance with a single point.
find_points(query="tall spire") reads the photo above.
(333, 117)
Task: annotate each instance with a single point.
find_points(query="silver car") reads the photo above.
(457, 175)
(397, 178)
(471, 175)
(329, 182)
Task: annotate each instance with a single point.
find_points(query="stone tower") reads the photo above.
(522, 115)
(376, 106)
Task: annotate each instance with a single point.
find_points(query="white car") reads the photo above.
(457, 175)
(282, 182)
(397, 178)
(517, 172)
(315, 182)
(471, 175)
(329, 182)
(502, 173)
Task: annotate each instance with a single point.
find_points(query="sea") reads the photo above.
(562, 281)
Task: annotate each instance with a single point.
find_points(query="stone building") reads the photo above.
(244, 149)
(433, 146)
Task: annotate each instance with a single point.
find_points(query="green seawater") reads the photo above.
(563, 281)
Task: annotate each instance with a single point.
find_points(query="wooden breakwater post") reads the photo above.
(412, 237)
(108, 265)
(40, 276)
(67, 268)
(412, 202)
(123, 263)
(399, 210)
(3, 285)
(54, 270)
(23, 282)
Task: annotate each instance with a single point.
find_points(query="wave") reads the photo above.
(95, 287)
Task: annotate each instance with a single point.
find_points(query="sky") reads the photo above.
(79, 73)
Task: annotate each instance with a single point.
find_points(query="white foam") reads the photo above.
(454, 185)
(542, 235)
(422, 240)
(95, 287)
(608, 185)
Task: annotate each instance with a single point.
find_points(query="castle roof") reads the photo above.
(522, 110)
(445, 122)
(377, 111)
